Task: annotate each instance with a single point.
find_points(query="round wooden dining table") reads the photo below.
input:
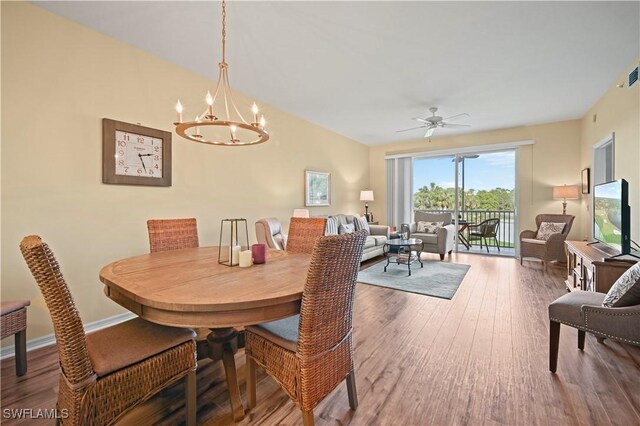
(189, 288)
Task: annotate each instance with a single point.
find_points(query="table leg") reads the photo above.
(223, 344)
(463, 240)
(385, 251)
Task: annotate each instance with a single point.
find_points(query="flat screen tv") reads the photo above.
(612, 215)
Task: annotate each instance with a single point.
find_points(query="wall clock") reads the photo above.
(135, 155)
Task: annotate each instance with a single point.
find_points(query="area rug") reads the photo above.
(437, 279)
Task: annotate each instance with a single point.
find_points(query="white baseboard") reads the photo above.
(50, 339)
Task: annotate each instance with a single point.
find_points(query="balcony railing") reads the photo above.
(506, 231)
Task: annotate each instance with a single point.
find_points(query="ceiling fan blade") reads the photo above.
(457, 116)
(429, 132)
(422, 120)
(413, 128)
(455, 126)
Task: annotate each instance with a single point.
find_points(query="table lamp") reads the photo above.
(564, 193)
(366, 196)
(300, 213)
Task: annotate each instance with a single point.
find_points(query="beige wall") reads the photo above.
(60, 79)
(618, 110)
(554, 159)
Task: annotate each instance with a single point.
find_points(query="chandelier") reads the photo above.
(240, 132)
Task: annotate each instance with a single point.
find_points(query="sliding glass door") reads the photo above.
(478, 189)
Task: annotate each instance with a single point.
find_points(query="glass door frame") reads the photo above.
(458, 157)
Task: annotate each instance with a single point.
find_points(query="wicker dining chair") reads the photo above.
(303, 233)
(13, 321)
(175, 234)
(107, 373)
(172, 234)
(311, 353)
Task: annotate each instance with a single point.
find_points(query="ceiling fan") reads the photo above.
(435, 121)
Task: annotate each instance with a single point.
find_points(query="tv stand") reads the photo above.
(587, 269)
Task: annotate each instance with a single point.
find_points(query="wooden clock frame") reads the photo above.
(109, 176)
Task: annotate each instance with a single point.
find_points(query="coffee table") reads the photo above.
(405, 252)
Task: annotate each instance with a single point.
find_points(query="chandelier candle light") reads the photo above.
(234, 121)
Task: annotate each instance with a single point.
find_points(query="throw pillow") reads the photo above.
(429, 227)
(362, 223)
(347, 228)
(332, 226)
(626, 290)
(549, 228)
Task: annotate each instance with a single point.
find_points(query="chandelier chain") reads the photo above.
(224, 29)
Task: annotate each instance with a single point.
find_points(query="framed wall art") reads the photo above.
(317, 188)
(586, 180)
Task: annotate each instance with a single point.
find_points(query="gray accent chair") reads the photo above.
(553, 248)
(269, 232)
(441, 242)
(583, 310)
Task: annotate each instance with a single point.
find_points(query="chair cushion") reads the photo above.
(369, 242)
(549, 228)
(533, 241)
(114, 348)
(568, 308)
(13, 305)
(626, 290)
(361, 222)
(427, 239)
(380, 239)
(282, 332)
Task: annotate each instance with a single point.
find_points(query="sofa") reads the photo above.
(378, 235)
(441, 242)
(269, 232)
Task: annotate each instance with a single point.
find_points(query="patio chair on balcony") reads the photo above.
(483, 230)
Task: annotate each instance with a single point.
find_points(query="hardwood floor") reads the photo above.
(480, 358)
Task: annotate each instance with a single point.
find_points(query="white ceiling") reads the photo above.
(363, 69)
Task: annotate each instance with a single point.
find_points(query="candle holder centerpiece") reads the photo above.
(234, 238)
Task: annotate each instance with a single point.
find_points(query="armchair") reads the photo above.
(443, 240)
(583, 310)
(269, 232)
(551, 249)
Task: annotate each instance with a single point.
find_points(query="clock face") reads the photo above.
(138, 155)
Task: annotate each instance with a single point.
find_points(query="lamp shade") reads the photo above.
(300, 213)
(366, 195)
(566, 192)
